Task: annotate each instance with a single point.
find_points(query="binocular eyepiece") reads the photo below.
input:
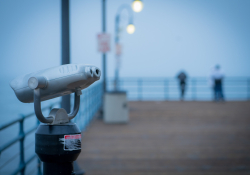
(55, 82)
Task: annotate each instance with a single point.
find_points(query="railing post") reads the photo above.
(248, 88)
(166, 89)
(39, 172)
(120, 84)
(194, 88)
(139, 82)
(21, 133)
(88, 106)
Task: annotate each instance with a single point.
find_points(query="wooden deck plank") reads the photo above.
(171, 138)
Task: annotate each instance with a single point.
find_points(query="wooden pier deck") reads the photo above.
(168, 138)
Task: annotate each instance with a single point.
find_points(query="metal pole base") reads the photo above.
(58, 168)
(77, 169)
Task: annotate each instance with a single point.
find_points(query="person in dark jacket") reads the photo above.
(182, 80)
(217, 78)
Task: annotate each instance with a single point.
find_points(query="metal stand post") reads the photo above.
(54, 149)
(58, 142)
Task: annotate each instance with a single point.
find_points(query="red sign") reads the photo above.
(72, 142)
(103, 42)
(78, 136)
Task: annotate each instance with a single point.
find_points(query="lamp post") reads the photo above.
(104, 54)
(137, 6)
(65, 45)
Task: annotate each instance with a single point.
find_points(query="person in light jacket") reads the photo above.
(217, 77)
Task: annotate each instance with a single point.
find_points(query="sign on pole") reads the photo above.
(118, 49)
(103, 42)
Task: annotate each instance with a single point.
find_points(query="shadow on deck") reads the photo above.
(171, 138)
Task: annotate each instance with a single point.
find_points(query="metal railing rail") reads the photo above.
(91, 100)
(21, 136)
(167, 88)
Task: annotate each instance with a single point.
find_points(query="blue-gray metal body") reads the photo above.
(55, 82)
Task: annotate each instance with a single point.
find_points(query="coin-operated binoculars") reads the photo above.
(57, 142)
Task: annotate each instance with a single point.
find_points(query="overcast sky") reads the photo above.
(170, 35)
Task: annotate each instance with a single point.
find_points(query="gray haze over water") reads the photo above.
(170, 36)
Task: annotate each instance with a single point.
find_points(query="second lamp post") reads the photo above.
(137, 7)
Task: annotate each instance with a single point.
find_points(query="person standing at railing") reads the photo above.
(217, 77)
(182, 77)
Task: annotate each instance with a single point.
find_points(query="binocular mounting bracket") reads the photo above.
(56, 115)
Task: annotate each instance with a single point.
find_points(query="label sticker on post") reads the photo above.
(72, 142)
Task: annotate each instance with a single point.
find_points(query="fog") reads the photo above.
(170, 36)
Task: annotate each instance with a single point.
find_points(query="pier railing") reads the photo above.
(235, 88)
(91, 100)
(197, 88)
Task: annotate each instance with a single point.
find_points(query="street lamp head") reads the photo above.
(130, 28)
(137, 5)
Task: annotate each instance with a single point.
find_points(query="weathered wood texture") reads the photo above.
(171, 138)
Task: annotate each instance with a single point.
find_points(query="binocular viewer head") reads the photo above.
(55, 82)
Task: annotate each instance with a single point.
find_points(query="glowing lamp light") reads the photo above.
(130, 28)
(137, 5)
